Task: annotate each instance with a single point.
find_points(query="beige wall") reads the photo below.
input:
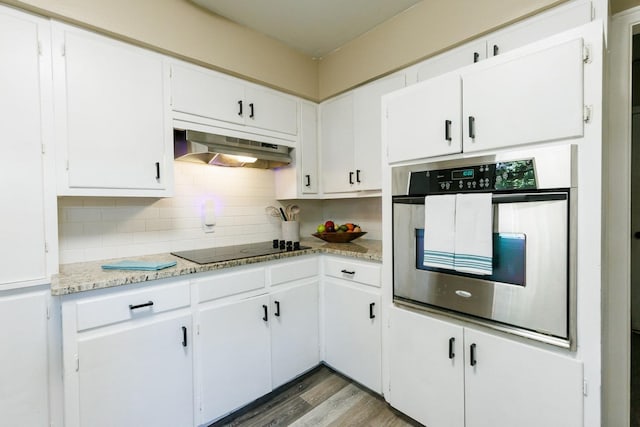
(620, 5)
(182, 29)
(422, 31)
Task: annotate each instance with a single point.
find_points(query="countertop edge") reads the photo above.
(84, 277)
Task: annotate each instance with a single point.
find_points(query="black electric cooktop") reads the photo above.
(228, 253)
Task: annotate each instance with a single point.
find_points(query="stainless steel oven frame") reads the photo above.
(556, 175)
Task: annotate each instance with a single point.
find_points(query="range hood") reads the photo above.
(221, 150)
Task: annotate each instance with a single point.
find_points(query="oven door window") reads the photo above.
(509, 258)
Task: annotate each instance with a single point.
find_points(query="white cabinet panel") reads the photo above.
(535, 97)
(352, 332)
(24, 369)
(111, 105)
(336, 121)
(426, 361)
(559, 19)
(452, 60)
(309, 148)
(367, 131)
(512, 384)
(21, 174)
(271, 110)
(235, 355)
(424, 120)
(141, 375)
(205, 93)
(294, 332)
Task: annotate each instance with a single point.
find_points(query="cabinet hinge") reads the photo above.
(67, 165)
(63, 50)
(77, 363)
(48, 312)
(42, 148)
(593, 12)
(585, 388)
(39, 48)
(46, 248)
(198, 329)
(586, 115)
(586, 54)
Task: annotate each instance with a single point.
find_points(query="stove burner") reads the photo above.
(228, 253)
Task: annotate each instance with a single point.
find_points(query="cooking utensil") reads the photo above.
(272, 211)
(294, 211)
(284, 217)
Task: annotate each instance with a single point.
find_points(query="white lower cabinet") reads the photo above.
(352, 335)
(129, 370)
(447, 375)
(24, 369)
(235, 355)
(294, 323)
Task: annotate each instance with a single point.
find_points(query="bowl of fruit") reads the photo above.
(344, 233)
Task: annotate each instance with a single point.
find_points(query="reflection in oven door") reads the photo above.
(529, 287)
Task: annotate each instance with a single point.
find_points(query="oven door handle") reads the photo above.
(496, 199)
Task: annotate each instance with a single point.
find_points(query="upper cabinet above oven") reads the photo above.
(529, 95)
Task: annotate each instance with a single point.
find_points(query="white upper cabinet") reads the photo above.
(534, 97)
(367, 131)
(424, 120)
(452, 60)
(308, 147)
(557, 20)
(213, 96)
(336, 121)
(111, 105)
(351, 137)
(23, 78)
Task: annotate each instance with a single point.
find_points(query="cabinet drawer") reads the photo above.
(227, 284)
(294, 270)
(361, 272)
(105, 310)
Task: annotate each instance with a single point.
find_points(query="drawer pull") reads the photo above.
(452, 341)
(472, 355)
(184, 336)
(371, 315)
(348, 272)
(146, 304)
(266, 315)
(277, 313)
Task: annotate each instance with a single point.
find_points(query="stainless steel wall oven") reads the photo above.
(531, 290)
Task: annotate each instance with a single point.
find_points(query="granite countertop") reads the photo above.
(86, 276)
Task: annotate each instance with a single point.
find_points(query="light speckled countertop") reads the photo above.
(86, 276)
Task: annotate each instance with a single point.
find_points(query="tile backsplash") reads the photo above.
(95, 228)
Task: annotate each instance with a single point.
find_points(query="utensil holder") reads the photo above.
(291, 231)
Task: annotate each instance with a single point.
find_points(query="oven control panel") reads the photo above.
(491, 177)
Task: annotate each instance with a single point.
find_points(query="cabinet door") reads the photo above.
(559, 19)
(367, 133)
(513, 384)
(536, 97)
(267, 109)
(452, 60)
(24, 368)
(207, 94)
(294, 332)
(111, 106)
(336, 121)
(235, 356)
(426, 369)
(309, 148)
(424, 120)
(352, 333)
(137, 375)
(21, 175)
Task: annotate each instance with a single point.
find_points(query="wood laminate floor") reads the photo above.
(320, 398)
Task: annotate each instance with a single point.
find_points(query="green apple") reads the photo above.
(320, 228)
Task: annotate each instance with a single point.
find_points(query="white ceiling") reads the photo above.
(315, 27)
